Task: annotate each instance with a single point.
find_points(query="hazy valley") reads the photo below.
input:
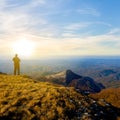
(91, 89)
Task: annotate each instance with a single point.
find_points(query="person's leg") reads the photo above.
(14, 70)
(18, 70)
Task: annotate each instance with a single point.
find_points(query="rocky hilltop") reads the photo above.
(72, 79)
(82, 83)
(22, 98)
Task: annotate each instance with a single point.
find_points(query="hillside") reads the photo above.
(111, 95)
(71, 79)
(22, 98)
(109, 77)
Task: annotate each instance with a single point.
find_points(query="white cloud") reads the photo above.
(76, 26)
(16, 20)
(51, 38)
(88, 11)
(115, 31)
(37, 2)
(89, 45)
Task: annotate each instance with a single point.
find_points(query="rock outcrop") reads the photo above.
(82, 83)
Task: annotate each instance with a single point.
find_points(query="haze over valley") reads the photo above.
(102, 69)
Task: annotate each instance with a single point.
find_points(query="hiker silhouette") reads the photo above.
(16, 61)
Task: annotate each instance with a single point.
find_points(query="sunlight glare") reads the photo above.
(23, 47)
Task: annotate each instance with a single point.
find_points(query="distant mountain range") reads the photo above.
(108, 77)
(107, 72)
(72, 79)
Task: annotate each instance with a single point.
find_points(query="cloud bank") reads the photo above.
(57, 29)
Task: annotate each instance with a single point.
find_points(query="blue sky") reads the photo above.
(61, 27)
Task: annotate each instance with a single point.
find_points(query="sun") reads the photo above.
(23, 47)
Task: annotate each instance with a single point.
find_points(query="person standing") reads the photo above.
(16, 61)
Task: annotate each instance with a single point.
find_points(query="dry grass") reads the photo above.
(22, 98)
(111, 95)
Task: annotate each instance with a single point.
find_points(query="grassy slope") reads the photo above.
(111, 95)
(22, 97)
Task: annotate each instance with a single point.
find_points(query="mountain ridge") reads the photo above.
(69, 78)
